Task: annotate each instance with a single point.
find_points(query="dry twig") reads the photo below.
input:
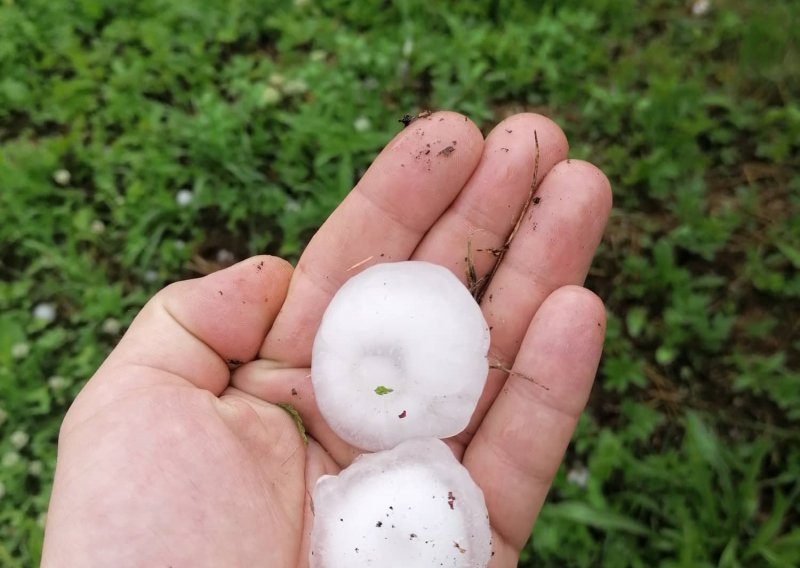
(499, 366)
(478, 287)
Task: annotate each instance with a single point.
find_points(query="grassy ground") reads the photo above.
(143, 142)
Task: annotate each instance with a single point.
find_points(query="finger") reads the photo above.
(275, 383)
(519, 446)
(403, 193)
(553, 248)
(195, 329)
(485, 212)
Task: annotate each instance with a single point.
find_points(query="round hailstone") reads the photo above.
(401, 353)
(414, 505)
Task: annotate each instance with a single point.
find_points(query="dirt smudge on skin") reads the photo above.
(446, 151)
(407, 119)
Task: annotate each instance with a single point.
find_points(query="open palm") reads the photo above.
(170, 458)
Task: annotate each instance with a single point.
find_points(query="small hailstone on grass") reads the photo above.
(412, 506)
(578, 476)
(19, 439)
(370, 83)
(36, 468)
(224, 256)
(98, 227)
(277, 80)
(44, 312)
(700, 7)
(408, 46)
(362, 124)
(401, 353)
(295, 87)
(62, 176)
(184, 197)
(57, 382)
(10, 459)
(20, 350)
(270, 95)
(318, 55)
(111, 326)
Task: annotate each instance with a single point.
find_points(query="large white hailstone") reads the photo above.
(401, 353)
(412, 506)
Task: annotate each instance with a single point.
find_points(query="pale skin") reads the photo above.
(170, 458)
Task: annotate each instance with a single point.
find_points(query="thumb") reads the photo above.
(198, 329)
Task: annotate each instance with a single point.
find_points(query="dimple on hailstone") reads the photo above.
(412, 506)
(401, 353)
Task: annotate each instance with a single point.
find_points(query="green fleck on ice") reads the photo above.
(382, 390)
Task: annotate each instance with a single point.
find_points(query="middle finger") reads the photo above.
(410, 184)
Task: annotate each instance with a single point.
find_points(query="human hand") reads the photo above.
(168, 458)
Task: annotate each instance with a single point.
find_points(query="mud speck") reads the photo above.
(509, 130)
(220, 292)
(402, 414)
(406, 120)
(233, 363)
(294, 392)
(537, 200)
(504, 149)
(447, 151)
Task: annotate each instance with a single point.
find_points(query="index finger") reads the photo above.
(407, 188)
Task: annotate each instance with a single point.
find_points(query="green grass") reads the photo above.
(267, 112)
